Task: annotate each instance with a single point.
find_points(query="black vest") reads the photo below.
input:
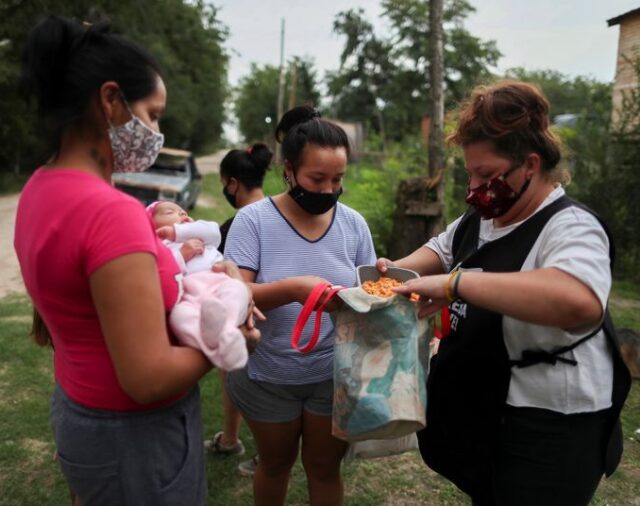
(469, 376)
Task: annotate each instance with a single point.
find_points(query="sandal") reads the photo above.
(248, 467)
(215, 446)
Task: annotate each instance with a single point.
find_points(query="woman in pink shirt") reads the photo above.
(125, 411)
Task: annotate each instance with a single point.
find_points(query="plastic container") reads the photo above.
(370, 273)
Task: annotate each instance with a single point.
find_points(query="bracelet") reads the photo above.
(449, 290)
(456, 285)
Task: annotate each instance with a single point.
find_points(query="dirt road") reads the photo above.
(211, 163)
(9, 270)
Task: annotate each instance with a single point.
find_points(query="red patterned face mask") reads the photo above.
(495, 197)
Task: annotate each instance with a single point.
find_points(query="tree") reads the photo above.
(186, 38)
(419, 201)
(256, 97)
(381, 80)
(579, 95)
(359, 87)
(604, 157)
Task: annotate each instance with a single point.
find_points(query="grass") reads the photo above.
(29, 476)
(11, 182)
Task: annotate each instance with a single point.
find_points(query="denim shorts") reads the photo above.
(151, 457)
(273, 403)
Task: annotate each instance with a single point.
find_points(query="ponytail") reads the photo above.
(303, 125)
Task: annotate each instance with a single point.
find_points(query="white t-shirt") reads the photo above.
(573, 241)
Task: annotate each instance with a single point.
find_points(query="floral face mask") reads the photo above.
(495, 197)
(134, 145)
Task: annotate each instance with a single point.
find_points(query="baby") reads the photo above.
(212, 305)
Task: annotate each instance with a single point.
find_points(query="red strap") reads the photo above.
(303, 317)
(445, 324)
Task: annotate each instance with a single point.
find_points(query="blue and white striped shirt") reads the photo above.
(262, 240)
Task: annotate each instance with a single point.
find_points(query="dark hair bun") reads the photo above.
(64, 64)
(261, 156)
(247, 165)
(293, 117)
(518, 106)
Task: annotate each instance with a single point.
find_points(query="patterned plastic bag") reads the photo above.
(381, 361)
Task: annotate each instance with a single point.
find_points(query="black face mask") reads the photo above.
(314, 202)
(231, 198)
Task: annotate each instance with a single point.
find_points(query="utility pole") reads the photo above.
(436, 78)
(294, 83)
(280, 83)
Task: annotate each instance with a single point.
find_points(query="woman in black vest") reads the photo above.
(524, 394)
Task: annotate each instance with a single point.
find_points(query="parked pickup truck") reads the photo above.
(174, 176)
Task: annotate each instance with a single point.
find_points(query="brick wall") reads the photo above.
(628, 47)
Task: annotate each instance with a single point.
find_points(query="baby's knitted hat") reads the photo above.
(151, 208)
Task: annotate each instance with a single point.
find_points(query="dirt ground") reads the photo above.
(9, 269)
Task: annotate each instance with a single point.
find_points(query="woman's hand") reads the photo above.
(333, 304)
(229, 268)
(287, 290)
(383, 263)
(431, 290)
(300, 287)
(248, 328)
(251, 334)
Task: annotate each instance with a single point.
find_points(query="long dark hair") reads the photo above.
(303, 125)
(64, 63)
(248, 166)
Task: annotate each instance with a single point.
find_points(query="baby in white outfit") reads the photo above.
(211, 305)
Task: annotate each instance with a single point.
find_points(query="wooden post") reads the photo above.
(436, 131)
(436, 79)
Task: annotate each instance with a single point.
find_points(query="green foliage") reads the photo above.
(602, 156)
(29, 475)
(604, 161)
(185, 36)
(383, 80)
(371, 184)
(257, 97)
(580, 95)
(256, 103)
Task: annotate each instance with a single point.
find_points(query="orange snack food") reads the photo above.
(382, 287)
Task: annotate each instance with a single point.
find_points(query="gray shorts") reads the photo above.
(273, 403)
(145, 458)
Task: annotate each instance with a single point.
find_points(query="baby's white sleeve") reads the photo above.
(207, 231)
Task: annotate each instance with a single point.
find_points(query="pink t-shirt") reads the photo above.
(68, 224)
